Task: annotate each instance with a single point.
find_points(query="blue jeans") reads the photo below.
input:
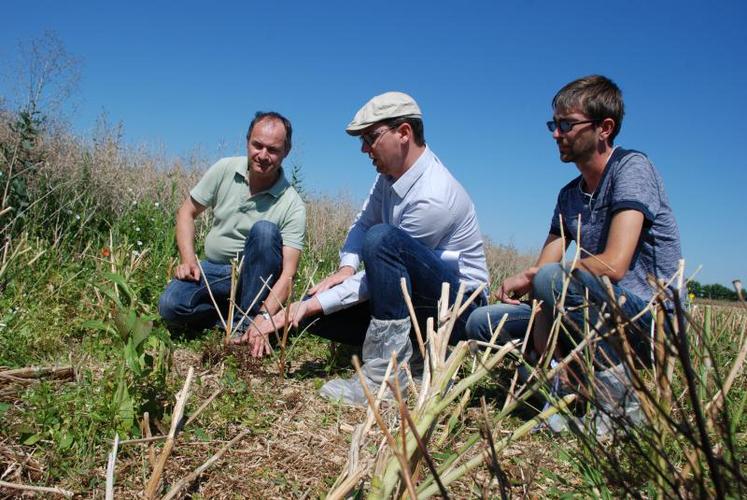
(390, 254)
(547, 286)
(186, 305)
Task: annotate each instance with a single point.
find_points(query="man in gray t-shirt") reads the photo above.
(627, 230)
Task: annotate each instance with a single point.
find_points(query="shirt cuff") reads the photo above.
(350, 259)
(329, 301)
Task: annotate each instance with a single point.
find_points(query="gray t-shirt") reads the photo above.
(629, 181)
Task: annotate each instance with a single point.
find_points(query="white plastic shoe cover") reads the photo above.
(382, 337)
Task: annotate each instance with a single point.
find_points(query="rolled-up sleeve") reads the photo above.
(348, 293)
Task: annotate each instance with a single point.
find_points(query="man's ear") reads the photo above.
(608, 126)
(406, 133)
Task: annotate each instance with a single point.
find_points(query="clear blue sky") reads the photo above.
(187, 75)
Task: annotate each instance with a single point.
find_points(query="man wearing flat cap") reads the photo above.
(417, 223)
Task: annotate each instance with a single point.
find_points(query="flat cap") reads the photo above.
(383, 107)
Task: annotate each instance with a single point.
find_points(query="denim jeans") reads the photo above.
(547, 286)
(390, 254)
(186, 305)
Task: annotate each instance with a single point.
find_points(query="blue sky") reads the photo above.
(187, 76)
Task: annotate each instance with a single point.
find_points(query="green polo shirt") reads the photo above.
(225, 189)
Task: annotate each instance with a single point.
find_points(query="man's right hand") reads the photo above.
(187, 271)
(516, 286)
(332, 280)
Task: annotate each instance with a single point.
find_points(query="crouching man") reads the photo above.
(256, 214)
(418, 223)
(628, 232)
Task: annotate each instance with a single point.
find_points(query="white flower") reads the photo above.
(157, 204)
(77, 217)
(139, 243)
(135, 253)
(137, 229)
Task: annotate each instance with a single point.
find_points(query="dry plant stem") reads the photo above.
(245, 314)
(37, 489)
(181, 401)
(202, 407)
(210, 292)
(151, 449)
(430, 412)
(186, 481)
(453, 419)
(476, 293)
(515, 377)
(32, 372)
(145, 440)
(715, 404)
(384, 429)
(421, 446)
(110, 469)
(455, 473)
(454, 314)
(357, 442)
(284, 339)
(348, 484)
(231, 301)
(413, 317)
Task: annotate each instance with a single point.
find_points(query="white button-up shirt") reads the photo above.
(427, 203)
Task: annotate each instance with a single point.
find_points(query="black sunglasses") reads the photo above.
(371, 138)
(565, 126)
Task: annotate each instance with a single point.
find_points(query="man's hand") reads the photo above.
(516, 286)
(334, 279)
(257, 336)
(297, 312)
(187, 271)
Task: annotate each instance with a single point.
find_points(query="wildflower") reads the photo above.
(139, 243)
(157, 204)
(135, 253)
(105, 252)
(77, 217)
(137, 229)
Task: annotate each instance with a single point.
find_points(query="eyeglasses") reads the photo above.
(371, 138)
(565, 126)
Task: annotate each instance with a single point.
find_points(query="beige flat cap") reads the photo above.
(383, 107)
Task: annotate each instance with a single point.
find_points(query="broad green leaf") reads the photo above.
(65, 440)
(121, 283)
(33, 439)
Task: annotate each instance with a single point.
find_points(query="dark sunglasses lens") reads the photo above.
(551, 126)
(565, 126)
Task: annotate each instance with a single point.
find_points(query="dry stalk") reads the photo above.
(413, 317)
(110, 469)
(37, 489)
(192, 476)
(382, 425)
(34, 372)
(342, 486)
(181, 401)
(447, 477)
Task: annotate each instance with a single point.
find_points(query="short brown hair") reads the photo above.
(596, 96)
(272, 115)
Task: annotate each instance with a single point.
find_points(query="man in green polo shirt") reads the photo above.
(257, 214)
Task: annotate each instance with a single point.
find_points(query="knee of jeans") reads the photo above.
(548, 282)
(167, 306)
(478, 324)
(264, 233)
(377, 237)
